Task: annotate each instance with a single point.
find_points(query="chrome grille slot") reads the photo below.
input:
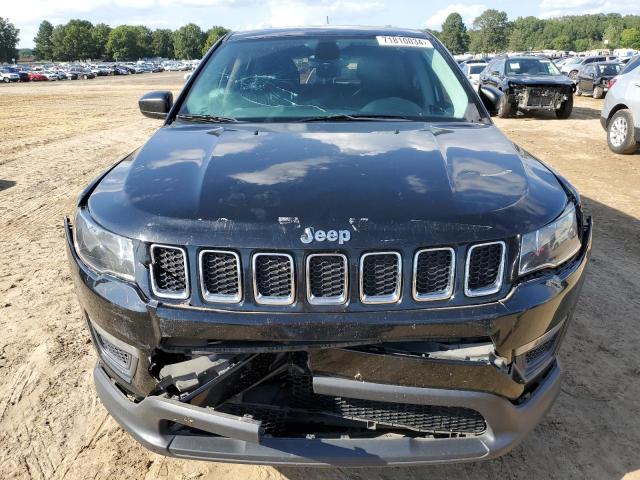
(273, 278)
(433, 274)
(169, 272)
(484, 269)
(326, 278)
(380, 277)
(220, 277)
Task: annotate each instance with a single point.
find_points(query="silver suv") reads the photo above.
(620, 115)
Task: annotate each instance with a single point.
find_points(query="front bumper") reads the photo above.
(507, 424)
(510, 405)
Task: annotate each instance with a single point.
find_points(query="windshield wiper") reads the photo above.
(205, 118)
(343, 117)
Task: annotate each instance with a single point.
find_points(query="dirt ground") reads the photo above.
(55, 137)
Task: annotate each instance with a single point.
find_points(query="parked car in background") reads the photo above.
(529, 83)
(101, 70)
(472, 72)
(631, 65)
(620, 115)
(22, 75)
(37, 76)
(83, 73)
(560, 62)
(594, 78)
(7, 75)
(572, 67)
(121, 70)
(51, 76)
(71, 75)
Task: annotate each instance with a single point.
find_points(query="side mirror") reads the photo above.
(490, 98)
(156, 104)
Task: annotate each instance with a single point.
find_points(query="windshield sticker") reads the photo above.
(387, 41)
(545, 61)
(514, 66)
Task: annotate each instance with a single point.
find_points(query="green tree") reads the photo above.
(188, 41)
(213, 35)
(612, 35)
(100, 36)
(123, 43)
(57, 43)
(517, 41)
(562, 42)
(630, 38)
(8, 41)
(526, 34)
(144, 40)
(42, 41)
(454, 34)
(582, 44)
(493, 29)
(78, 43)
(162, 43)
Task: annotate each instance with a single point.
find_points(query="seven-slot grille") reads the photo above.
(380, 277)
(433, 274)
(327, 274)
(220, 276)
(326, 278)
(484, 269)
(273, 278)
(169, 277)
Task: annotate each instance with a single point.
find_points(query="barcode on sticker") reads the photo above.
(389, 41)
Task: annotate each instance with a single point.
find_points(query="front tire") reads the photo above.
(598, 92)
(573, 75)
(505, 108)
(620, 133)
(565, 109)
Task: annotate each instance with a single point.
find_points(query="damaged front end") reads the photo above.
(293, 394)
(539, 97)
(267, 396)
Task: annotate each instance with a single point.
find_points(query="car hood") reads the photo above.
(385, 182)
(541, 79)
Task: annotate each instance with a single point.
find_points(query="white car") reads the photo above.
(50, 75)
(472, 72)
(620, 115)
(7, 76)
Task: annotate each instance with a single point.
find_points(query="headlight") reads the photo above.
(552, 245)
(101, 250)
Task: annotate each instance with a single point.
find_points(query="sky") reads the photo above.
(246, 14)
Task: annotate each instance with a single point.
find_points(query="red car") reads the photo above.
(37, 77)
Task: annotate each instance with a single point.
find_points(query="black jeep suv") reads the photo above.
(328, 254)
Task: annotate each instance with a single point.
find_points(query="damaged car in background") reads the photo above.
(529, 83)
(595, 79)
(314, 262)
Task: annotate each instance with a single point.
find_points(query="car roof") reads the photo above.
(526, 57)
(329, 30)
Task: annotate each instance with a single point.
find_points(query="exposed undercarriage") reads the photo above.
(539, 97)
(286, 391)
